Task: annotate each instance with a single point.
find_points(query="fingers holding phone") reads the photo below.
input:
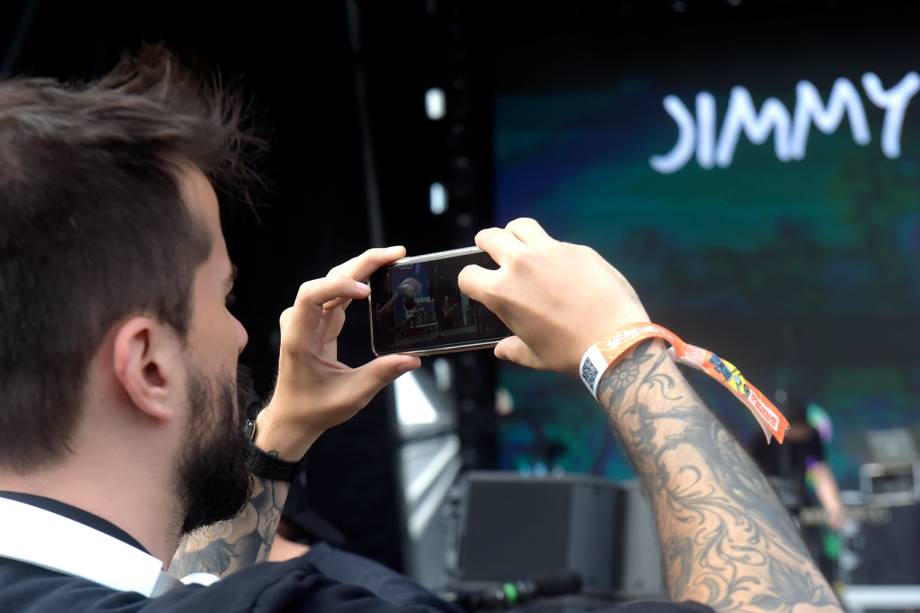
(558, 298)
(538, 301)
(314, 391)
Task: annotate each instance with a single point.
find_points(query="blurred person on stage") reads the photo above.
(800, 474)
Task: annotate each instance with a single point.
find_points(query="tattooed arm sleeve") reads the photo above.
(725, 539)
(228, 546)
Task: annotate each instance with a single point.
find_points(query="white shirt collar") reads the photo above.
(36, 536)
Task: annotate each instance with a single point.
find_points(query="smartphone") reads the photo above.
(418, 309)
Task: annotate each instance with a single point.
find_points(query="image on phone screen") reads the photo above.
(416, 306)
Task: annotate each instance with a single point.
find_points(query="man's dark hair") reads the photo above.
(93, 227)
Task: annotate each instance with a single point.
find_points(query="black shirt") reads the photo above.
(324, 580)
(787, 465)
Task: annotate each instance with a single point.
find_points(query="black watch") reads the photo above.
(268, 465)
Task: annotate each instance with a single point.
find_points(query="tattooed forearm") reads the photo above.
(228, 546)
(725, 539)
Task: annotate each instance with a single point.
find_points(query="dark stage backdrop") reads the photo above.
(753, 170)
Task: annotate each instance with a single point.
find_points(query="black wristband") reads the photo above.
(269, 465)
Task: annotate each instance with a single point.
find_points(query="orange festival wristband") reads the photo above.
(608, 351)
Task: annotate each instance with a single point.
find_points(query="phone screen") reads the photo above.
(416, 307)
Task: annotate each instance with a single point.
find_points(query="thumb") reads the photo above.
(475, 281)
(377, 374)
(513, 349)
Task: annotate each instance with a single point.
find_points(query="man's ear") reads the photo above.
(147, 361)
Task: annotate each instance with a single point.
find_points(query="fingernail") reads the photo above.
(363, 287)
(407, 366)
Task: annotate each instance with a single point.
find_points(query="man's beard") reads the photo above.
(213, 477)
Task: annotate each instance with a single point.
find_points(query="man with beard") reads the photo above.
(120, 431)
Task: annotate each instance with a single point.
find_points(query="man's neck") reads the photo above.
(133, 503)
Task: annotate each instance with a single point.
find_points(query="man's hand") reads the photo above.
(557, 298)
(315, 391)
(725, 539)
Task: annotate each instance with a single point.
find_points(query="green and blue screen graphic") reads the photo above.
(762, 196)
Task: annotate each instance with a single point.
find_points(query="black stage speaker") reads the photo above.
(887, 552)
(515, 527)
